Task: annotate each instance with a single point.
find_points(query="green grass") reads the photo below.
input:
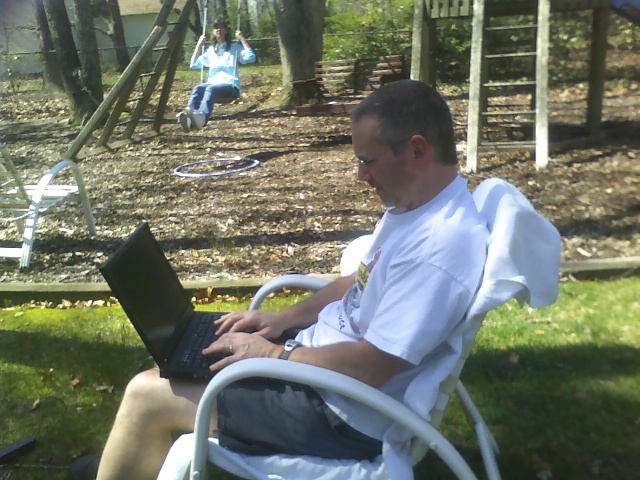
(558, 386)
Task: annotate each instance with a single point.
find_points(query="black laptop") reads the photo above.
(147, 287)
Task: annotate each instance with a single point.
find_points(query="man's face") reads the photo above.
(388, 173)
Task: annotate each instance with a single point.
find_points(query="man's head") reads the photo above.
(403, 139)
(406, 108)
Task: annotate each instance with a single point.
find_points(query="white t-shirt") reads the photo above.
(412, 290)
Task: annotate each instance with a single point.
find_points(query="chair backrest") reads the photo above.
(13, 195)
(519, 265)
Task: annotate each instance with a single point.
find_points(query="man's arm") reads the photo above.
(360, 360)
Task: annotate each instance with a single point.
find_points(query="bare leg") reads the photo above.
(152, 408)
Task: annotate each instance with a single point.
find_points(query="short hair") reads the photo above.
(406, 108)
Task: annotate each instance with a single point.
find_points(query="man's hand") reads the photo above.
(237, 346)
(264, 324)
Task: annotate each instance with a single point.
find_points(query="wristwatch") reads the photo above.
(289, 346)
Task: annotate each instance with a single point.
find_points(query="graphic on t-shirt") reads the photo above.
(351, 299)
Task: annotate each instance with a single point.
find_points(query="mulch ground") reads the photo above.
(298, 209)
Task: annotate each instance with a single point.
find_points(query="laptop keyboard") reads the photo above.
(204, 336)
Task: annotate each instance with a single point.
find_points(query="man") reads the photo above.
(398, 315)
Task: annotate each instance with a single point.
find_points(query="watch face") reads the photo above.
(291, 344)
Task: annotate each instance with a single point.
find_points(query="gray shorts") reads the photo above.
(265, 417)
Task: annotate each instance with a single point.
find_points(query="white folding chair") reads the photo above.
(519, 265)
(23, 204)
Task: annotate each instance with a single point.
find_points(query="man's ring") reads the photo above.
(231, 348)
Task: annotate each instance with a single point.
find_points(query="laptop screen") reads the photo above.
(148, 289)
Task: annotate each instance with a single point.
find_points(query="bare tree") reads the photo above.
(108, 14)
(51, 72)
(91, 72)
(116, 32)
(300, 24)
(81, 103)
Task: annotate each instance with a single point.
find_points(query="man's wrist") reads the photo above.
(289, 346)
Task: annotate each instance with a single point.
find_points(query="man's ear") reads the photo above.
(422, 150)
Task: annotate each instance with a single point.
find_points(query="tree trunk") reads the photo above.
(91, 72)
(300, 24)
(80, 102)
(116, 32)
(51, 69)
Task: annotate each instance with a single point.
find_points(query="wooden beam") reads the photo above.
(177, 41)
(128, 86)
(132, 69)
(542, 83)
(423, 45)
(475, 85)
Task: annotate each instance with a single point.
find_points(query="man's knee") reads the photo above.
(143, 386)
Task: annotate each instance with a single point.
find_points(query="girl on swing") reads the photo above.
(222, 60)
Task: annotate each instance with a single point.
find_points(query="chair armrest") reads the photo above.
(287, 281)
(329, 380)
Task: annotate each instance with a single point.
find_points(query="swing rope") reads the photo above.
(203, 11)
(235, 59)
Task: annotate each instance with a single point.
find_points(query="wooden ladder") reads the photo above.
(109, 115)
(516, 70)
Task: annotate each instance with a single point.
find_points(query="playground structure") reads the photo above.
(109, 114)
(528, 18)
(522, 16)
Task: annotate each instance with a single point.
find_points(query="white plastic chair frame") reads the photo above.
(26, 202)
(427, 437)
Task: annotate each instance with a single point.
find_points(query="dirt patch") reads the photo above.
(299, 208)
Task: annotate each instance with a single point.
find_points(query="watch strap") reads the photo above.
(289, 346)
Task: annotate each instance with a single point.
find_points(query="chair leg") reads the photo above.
(28, 236)
(488, 445)
(82, 192)
(487, 451)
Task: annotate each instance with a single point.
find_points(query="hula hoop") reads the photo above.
(247, 164)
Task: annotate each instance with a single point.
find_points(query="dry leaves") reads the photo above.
(298, 210)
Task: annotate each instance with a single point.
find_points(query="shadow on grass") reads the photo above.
(93, 361)
(572, 411)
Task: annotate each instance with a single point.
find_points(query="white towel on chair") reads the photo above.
(523, 260)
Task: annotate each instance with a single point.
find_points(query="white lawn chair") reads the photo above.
(523, 262)
(22, 203)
